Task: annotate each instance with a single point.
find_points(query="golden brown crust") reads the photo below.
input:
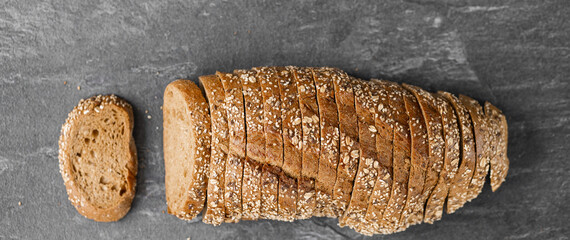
(459, 190)
(237, 143)
(187, 97)
(292, 145)
(273, 142)
(78, 196)
(329, 135)
(349, 143)
(434, 205)
(497, 145)
(480, 132)
(214, 89)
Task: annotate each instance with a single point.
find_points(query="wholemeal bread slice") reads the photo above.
(329, 135)
(214, 90)
(419, 161)
(255, 147)
(237, 144)
(381, 192)
(186, 133)
(459, 190)
(309, 121)
(349, 143)
(434, 205)
(366, 174)
(480, 133)
(498, 145)
(292, 145)
(401, 159)
(97, 158)
(271, 169)
(436, 145)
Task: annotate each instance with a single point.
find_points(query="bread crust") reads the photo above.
(271, 169)
(329, 135)
(480, 133)
(497, 145)
(366, 174)
(434, 205)
(215, 94)
(76, 194)
(237, 143)
(349, 143)
(459, 190)
(255, 147)
(186, 95)
(436, 145)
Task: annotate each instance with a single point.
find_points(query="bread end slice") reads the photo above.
(186, 148)
(97, 158)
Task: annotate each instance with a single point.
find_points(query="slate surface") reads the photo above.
(512, 53)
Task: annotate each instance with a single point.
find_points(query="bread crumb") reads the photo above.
(149, 116)
(78, 87)
(64, 82)
(248, 31)
(162, 211)
(187, 238)
(19, 203)
(145, 111)
(161, 107)
(235, 33)
(356, 69)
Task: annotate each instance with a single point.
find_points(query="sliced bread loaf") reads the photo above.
(499, 136)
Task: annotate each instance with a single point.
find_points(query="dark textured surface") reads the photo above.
(513, 53)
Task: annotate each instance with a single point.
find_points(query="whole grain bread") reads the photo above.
(186, 133)
(497, 145)
(237, 145)
(98, 158)
(214, 90)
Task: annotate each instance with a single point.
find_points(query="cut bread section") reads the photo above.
(97, 158)
(186, 133)
(215, 212)
(434, 205)
(237, 143)
(329, 144)
(497, 145)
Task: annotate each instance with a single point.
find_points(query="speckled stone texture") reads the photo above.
(515, 54)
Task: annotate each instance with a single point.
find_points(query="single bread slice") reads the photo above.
(435, 142)
(480, 132)
(329, 135)
(434, 205)
(459, 190)
(186, 148)
(306, 195)
(271, 169)
(215, 212)
(292, 145)
(401, 159)
(98, 158)
(497, 145)
(237, 144)
(419, 164)
(349, 143)
(255, 147)
(383, 121)
(366, 176)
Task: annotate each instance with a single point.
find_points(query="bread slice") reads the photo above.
(459, 189)
(435, 142)
(497, 145)
(98, 158)
(401, 159)
(434, 205)
(271, 169)
(419, 160)
(186, 133)
(480, 132)
(214, 90)
(366, 175)
(292, 145)
(310, 154)
(349, 143)
(329, 135)
(255, 147)
(381, 192)
(237, 144)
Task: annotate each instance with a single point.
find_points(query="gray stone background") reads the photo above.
(513, 53)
